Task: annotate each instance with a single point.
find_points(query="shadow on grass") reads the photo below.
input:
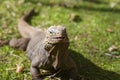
(90, 8)
(86, 7)
(90, 71)
(96, 1)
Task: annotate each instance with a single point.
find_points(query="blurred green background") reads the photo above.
(93, 27)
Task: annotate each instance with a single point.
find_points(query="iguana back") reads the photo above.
(35, 42)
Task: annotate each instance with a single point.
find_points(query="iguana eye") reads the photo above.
(51, 32)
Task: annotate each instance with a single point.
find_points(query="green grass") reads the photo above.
(89, 38)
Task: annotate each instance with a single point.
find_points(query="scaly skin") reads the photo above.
(46, 50)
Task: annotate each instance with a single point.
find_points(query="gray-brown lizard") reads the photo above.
(46, 49)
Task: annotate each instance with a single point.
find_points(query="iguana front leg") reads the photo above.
(35, 72)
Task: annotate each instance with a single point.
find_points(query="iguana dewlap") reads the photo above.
(46, 49)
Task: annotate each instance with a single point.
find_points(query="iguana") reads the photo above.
(46, 49)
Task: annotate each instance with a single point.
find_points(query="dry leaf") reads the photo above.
(19, 69)
(21, 2)
(76, 37)
(109, 30)
(113, 4)
(74, 18)
(113, 48)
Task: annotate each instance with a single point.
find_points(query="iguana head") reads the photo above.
(56, 43)
(56, 34)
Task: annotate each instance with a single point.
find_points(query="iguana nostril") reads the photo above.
(59, 33)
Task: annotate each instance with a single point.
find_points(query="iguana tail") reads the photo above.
(4, 42)
(26, 30)
(20, 44)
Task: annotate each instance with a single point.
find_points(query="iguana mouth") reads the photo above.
(61, 38)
